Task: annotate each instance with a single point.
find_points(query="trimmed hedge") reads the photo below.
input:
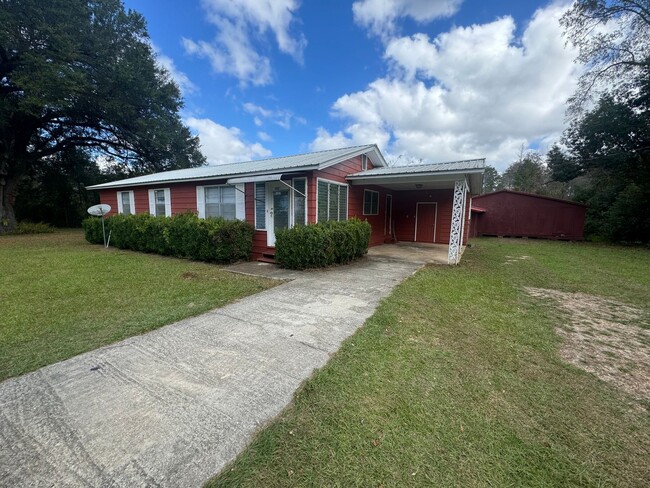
(184, 236)
(322, 244)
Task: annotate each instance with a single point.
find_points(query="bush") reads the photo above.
(26, 227)
(323, 244)
(184, 236)
(92, 227)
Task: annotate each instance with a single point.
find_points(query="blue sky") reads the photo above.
(435, 80)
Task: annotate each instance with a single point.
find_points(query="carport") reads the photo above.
(422, 204)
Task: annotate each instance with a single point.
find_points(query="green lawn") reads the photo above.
(457, 380)
(61, 296)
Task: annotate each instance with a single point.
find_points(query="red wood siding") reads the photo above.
(404, 207)
(523, 215)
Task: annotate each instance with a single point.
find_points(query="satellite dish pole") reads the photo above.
(99, 211)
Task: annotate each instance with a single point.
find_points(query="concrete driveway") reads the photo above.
(174, 406)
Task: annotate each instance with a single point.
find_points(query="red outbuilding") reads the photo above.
(508, 213)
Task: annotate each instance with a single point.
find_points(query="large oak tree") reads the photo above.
(81, 74)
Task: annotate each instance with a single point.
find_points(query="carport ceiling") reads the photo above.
(400, 182)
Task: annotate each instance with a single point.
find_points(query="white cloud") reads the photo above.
(222, 145)
(474, 91)
(380, 15)
(282, 117)
(263, 136)
(241, 24)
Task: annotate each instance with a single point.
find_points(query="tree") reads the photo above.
(82, 74)
(491, 179)
(528, 174)
(55, 190)
(611, 145)
(613, 41)
(561, 167)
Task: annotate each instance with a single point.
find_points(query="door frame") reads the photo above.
(270, 223)
(435, 220)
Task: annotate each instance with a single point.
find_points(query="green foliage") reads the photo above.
(184, 236)
(612, 146)
(613, 41)
(80, 74)
(491, 179)
(323, 244)
(562, 168)
(528, 174)
(26, 227)
(54, 191)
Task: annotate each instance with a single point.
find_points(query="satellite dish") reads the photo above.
(99, 210)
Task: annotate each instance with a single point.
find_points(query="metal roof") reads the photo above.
(307, 161)
(456, 166)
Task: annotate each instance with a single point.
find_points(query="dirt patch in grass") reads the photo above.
(604, 337)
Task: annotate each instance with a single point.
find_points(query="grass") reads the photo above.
(456, 381)
(61, 296)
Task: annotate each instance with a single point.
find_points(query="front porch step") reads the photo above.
(267, 257)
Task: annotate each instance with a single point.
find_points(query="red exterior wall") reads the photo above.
(517, 214)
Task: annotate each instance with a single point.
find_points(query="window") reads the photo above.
(160, 202)
(332, 201)
(220, 202)
(370, 202)
(364, 162)
(125, 203)
(300, 201)
(159, 196)
(260, 206)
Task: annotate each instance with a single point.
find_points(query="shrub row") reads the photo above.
(26, 227)
(184, 236)
(322, 244)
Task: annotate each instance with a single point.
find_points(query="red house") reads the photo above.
(420, 203)
(507, 213)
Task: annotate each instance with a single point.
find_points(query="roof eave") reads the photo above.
(126, 184)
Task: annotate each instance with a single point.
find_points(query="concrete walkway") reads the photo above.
(174, 406)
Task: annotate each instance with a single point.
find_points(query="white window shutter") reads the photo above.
(240, 202)
(120, 208)
(152, 203)
(168, 203)
(132, 201)
(200, 201)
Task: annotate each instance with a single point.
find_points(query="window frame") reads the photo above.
(120, 203)
(365, 192)
(168, 202)
(364, 162)
(205, 200)
(347, 198)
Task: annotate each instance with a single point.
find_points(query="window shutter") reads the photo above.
(120, 207)
(132, 201)
(323, 200)
(260, 206)
(240, 202)
(168, 203)
(200, 201)
(152, 203)
(343, 203)
(334, 202)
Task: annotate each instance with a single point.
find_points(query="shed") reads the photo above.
(508, 213)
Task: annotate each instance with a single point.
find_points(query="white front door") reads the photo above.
(277, 210)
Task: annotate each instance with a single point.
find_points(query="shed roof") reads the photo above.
(533, 195)
(296, 162)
